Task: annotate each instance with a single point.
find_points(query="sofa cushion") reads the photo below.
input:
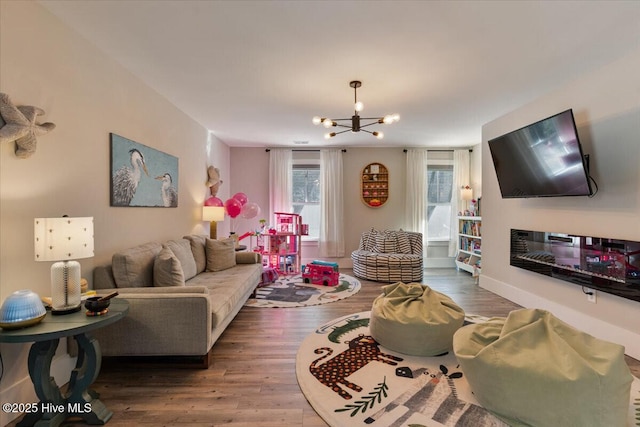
(133, 268)
(228, 288)
(221, 254)
(532, 369)
(167, 269)
(199, 251)
(244, 257)
(182, 250)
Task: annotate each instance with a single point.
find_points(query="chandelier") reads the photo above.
(356, 124)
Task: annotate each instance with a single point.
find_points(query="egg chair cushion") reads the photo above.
(532, 369)
(414, 319)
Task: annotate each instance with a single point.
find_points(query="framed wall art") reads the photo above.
(141, 175)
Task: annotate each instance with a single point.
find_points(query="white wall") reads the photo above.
(606, 104)
(87, 95)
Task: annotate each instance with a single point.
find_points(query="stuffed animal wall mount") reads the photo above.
(214, 182)
(19, 124)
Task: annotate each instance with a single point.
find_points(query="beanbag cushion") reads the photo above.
(532, 369)
(414, 319)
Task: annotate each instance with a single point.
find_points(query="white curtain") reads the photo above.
(460, 179)
(280, 181)
(331, 204)
(416, 193)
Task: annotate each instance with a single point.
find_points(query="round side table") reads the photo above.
(79, 401)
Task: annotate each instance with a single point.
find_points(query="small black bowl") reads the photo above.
(92, 304)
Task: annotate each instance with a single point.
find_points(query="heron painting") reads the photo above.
(141, 175)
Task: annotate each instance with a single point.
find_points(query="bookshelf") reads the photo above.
(469, 256)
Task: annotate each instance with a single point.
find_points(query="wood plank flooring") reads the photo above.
(252, 380)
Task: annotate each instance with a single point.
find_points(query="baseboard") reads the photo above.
(584, 322)
(440, 263)
(22, 390)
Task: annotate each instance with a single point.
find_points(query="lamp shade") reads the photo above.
(59, 239)
(64, 240)
(213, 213)
(466, 194)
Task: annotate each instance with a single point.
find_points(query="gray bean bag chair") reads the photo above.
(532, 369)
(414, 319)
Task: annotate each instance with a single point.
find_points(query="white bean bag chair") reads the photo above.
(414, 319)
(532, 369)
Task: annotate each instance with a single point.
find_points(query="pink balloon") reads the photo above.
(250, 210)
(233, 207)
(241, 197)
(213, 201)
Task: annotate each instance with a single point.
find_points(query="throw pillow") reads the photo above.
(404, 245)
(167, 270)
(133, 268)
(386, 243)
(368, 239)
(182, 250)
(221, 254)
(198, 249)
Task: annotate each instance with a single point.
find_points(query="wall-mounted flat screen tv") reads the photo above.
(543, 159)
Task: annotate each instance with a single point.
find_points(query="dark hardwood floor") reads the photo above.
(252, 380)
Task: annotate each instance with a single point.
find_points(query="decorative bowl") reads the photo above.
(21, 309)
(94, 305)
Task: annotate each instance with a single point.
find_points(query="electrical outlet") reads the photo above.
(592, 297)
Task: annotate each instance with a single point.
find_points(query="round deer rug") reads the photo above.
(291, 291)
(351, 380)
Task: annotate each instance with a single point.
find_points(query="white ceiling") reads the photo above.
(256, 72)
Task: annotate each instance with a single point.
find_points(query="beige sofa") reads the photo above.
(182, 295)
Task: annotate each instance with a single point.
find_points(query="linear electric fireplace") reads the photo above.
(608, 265)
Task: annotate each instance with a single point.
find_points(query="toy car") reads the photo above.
(321, 273)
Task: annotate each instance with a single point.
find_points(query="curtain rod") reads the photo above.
(447, 150)
(344, 150)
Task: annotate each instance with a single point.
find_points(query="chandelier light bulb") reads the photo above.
(378, 135)
(327, 123)
(329, 135)
(316, 120)
(388, 119)
(359, 106)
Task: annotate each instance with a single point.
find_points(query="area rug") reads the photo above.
(390, 389)
(291, 291)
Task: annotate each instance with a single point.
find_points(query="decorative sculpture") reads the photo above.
(214, 182)
(19, 124)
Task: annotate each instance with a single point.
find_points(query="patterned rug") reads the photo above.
(396, 390)
(291, 291)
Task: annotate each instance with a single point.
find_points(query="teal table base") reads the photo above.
(79, 400)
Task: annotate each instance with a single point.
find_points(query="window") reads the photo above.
(306, 196)
(439, 195)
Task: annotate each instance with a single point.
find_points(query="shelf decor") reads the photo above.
(374, 185)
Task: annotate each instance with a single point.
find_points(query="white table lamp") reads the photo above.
(213, 214)
(64, 240)
(466, 194)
